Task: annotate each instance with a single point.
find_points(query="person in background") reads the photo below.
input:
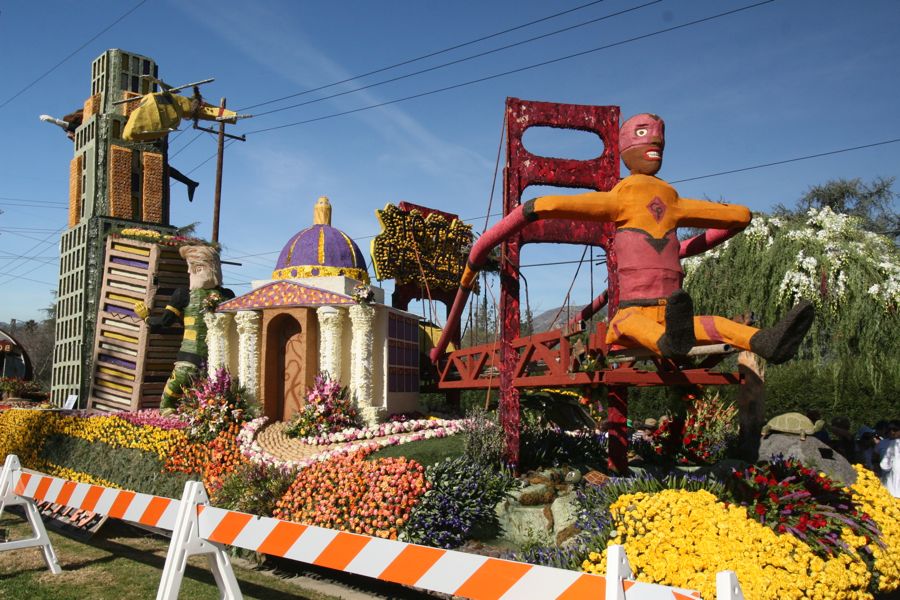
(865, 447)
(842, 439)
(645, 430)
(890, 460)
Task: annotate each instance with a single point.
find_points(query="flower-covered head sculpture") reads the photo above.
(642, 139)
(654, 311)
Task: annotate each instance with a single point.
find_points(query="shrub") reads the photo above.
(328, 409)
(213, 404)
(593, 517)
(349, 493)
(459, 505)
(548, 446)
(15, 387)
(126, 468)
(790, 498)
(483, 437)
(254, 489)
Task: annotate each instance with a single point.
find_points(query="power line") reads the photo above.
(459, 60)
(788, 160)
(517, 70)
(34, 202)
(73, 53)
(424, 56)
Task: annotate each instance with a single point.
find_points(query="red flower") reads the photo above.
(760, 509)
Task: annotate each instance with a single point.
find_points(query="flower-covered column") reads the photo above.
(331, 330)
(248, 351)
(362, 318)
(217, 344)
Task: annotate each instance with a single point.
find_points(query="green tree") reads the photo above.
(871, 203)
(850, 361)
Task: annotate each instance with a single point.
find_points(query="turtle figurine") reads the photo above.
(793, 423)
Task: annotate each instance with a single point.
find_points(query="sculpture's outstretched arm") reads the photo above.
(592, 206)
(703, 213)
(705, 241)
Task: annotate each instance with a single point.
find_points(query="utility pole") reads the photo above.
(220, 159)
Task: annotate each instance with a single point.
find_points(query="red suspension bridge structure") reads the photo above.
(549, 359)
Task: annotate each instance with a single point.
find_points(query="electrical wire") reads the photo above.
(788, 160)
(514, 71)
(424, 56)
(457, 61)
(73, 53)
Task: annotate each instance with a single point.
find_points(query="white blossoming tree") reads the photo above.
(850, 362)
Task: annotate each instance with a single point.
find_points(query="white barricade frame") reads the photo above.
(200, 529)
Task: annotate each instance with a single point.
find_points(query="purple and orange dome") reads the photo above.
(321, 251)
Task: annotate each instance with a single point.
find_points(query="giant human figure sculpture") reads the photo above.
(188, 305)
(654, 311)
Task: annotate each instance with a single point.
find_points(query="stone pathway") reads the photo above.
(275, 441)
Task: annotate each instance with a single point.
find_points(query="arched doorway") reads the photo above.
(289, 362)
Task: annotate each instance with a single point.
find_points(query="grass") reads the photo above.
(425, 452)
(119, 563)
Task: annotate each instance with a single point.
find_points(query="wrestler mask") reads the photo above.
(203, 264)
(642, 139)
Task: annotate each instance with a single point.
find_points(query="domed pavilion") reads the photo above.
(318, 313)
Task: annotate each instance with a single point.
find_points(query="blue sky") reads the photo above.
(782, 80)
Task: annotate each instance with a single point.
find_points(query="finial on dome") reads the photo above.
(322, 212)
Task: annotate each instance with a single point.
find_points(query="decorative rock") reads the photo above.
(573, 476)
(810, 451)
(524, 525)
(564, 513)
(532, 495)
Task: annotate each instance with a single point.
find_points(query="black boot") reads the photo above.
(780, 342)
(679, 338)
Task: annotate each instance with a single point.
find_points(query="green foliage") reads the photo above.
(460, 504)
(862, 391)
(851, 275)
(542, 446)
(870, 203)
(483, 436)
(254, 489)
(132, 469)
(424, 452)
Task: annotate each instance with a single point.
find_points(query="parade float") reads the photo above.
(310, 377)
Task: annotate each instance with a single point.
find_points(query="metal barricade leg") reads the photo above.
(8, 497)
(186, 542)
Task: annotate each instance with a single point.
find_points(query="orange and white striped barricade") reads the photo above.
(433, 569)
(9, 497)
(26, 487)
(187, 542)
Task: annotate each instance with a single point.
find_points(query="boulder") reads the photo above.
(564, 513)
(524, 525)
(812, 452)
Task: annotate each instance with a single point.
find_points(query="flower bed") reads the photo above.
(352, 494)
